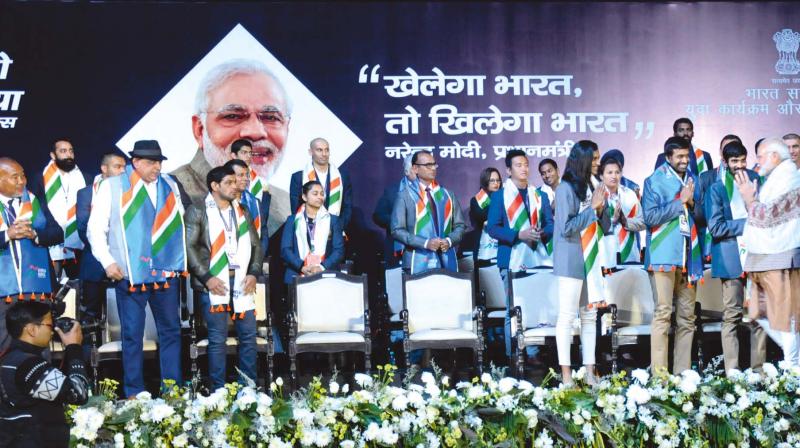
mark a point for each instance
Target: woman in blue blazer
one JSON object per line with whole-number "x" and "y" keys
{"x": 312, "y": 238}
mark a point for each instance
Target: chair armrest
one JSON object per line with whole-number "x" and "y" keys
{"x": 404, "y": 317}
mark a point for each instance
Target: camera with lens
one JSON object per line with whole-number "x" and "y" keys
{"x": 58, "y": 307}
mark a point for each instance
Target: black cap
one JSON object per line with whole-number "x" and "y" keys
{"x": 147, "y": 149}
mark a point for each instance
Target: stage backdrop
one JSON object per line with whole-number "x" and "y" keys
{"x": 467, "y": 81}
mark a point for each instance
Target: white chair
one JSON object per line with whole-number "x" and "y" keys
{"x": 112, "y": 332}
{"x": 439, "y": 313}
{"x": 466, "y": 263}
{"x": 535, "y": 303}
{"x": 394, "y": 292}
{"x": 708, "y": 311}
{"x": 331, "y": 314}
{"x": 631, "y": 302}
{"x": 492, "y": 290}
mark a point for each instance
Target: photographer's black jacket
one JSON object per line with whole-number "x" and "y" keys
{"x": 33, "y": 394}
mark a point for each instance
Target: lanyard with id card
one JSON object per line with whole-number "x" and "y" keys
{"x": 231, "y": 241}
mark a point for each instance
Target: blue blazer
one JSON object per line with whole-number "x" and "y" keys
{"x": 263, "y": 205}
{"x": 51, "y": 235}
{"x": 497, "y": 226}
{"x": 692, "y": 161}
{"x": 724, "y": 230}
{"x": 296, "y": 190}
{"x": 90, "y": 268}
{"x": 334, "y": 251}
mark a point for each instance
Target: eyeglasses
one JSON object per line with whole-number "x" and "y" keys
{"x": 235, "y": 115}
{"x": 494, "y": 181}
{"x": 428, "y": 165}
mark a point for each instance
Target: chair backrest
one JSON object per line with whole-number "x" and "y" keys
{"x": 491, "y": 283}
{"x": 261, "y": 301}
{"x": 466, "y": 263}
{"x": 535, "y": 291}
{"x": 394, "y": 288}
{"x": 113, "y": 331}
{"x": 439, "y": 300}
{"x": 631, "y": 290}
{"x": 709, "y": 295}
{"x": 330, "y": 301}
{"x": 71, "y": 302}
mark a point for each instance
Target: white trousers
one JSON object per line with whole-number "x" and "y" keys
{"x": 569, "y": 303}
{"x": 787, "y": 340}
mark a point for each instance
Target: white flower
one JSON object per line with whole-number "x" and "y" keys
{"x": 279, "y": 381}
{"x": 415, "y": 399}
{"x": 180, "y": 441}
{"x": 781, "y": 425}
{"x": 446, "y": 381}
{"x": 427, "y": 377}
{"x": 333, "y": 387}
{"x": 506, "y": 403}
{"x": 387, "y": 436}
{"x": 638, "y": 394}
{"x": 689, "y": 381}
{"x": 641, "y": 375}
{"x": 143, "y": 396}
{"x": 347, "y": 444}
{"x": 160, "y": 411}
{"x": 687, "y": 407}
{"x": 304, "y": 416}
{"x": 373, "y": 432}
{"x": 322, "y": 437}
{"x": 363, "y": 380}
{"x": 532, "y": 416}
{"x": 432, "y": 389}
{"x": 86, "y": 422}
{"x": 543, "y": 441}
{"x": 486, "y": 378}
{"x": 119, "y": 440}
{"x": 770, "y": 370}
{"x": 580, "y": 374}
{"x": 345, "y": 388}
{"x": 506, "y": 385}
{"x": 525, "y": 387}
{"x": 399, "y": 403}
{"x": 588, "y": 431}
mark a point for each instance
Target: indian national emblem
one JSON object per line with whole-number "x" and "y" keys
{"x": 787, "y": 42}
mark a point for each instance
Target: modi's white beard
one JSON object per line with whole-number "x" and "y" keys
{"x": 216, "y": 156}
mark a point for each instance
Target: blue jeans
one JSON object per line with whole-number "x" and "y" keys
{"x": 165, "y": 307}
{"x": 217, "y": 324}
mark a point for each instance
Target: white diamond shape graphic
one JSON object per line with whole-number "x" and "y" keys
{"x": 169, "y": 121}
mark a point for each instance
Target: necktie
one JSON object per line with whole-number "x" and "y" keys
{"x": 12, "y": 216}
{"x": 434, "y": 213}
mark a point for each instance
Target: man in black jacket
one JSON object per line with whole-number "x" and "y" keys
{"x": 32, "y": 392}
{"x": 224, "y": 258}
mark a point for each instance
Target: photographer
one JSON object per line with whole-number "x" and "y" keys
{"x": 32, "y": 392}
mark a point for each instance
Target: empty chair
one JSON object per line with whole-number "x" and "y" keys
{"x": 439, "y": 313}
{"x": 535, "y": 303}
{"x": 629, "y": 293}
{"x": 331, "y": 314}
{"x": 112, "y": 332}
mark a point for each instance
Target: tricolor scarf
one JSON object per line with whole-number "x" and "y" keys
{"x": 61, "y": 194}
{"x": 96, "y": 183}
{"x": 625, "y": 242}
{"x": 592, "y": 254}
{"x": 424, "y": 259}
{"x": 520, "y": 218}
{"x": 666, "y": 244}
{"x": 701, "y": 161}
{"x": 319, "y": 241}
{"x": 153, "y": 236}
{"x": 774, "y": 226}
{"x": 253, "y": 206}
{"x": 257, "y": 186}
{"x": 333, "y": 191}
{"x": 487, "y": 246}
{"x": 32, "y": 279}
{"x": 738, "y": 210}
{"x": 219, "y": 264}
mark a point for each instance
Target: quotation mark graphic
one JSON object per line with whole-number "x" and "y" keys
{"x": 640, "y": 127}
{"x": 374, "y": 77}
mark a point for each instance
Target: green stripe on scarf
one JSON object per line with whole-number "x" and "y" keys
{"x": 626, "y": 251}
{"x": 334, "y": 197}
{"x": 173, "y": 227}
{"x": 219, "y": 265}
{"x": 51, "y": 192}
{"x": 136, "y": 204}
{"x": 660, "y": 237}
{"x": 423, "y": 221}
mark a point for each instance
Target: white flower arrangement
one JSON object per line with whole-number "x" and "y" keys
{"x": 742, "y": 409}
